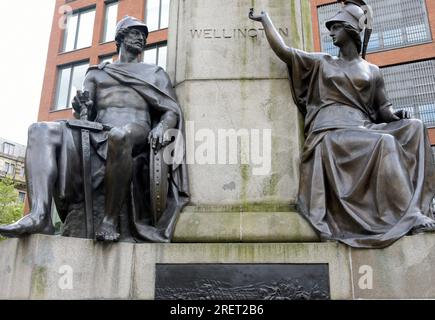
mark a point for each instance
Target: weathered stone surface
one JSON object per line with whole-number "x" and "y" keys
{"x": 212, "y": 108}
{"x": 216, "y": 40}
{"x": 243, "y": 227}
{"x": 31, "y": 268}
{"x": 208, "y": 227}
{"x": 401, "y": 271}
{"x": 276, "y": 227}
{"x": 227, "y": 77}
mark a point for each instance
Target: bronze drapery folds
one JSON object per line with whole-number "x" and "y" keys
{"x": 367, "y": 176}
{"x": 98, "y": 168}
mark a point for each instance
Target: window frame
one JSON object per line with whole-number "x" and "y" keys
{"x": 70, "y": 81}
{"x": 418, "y": 104}
{"x": 156, "y": 46}
{"x": 106, "y": 57}
{"x": 7, "y": 168}
{"x": 78, "y": 12}
{"x": 104, "y": 32}
{"x": 10, "y": 147}
{"x": 21, "y": 197}
{"x": 159, "y": 24}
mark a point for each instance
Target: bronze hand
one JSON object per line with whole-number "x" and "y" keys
{"x": 256, "y": 17}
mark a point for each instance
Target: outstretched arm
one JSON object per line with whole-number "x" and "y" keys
{"x": 275, "y": 40}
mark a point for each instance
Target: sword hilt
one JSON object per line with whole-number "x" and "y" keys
{"x": 82, "y": 98}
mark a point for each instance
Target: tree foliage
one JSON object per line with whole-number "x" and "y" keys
{"x": 10, "y": 208}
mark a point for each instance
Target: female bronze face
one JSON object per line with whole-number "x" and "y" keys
{"x": 339, "y": 34}
{"x": 342, "y": 33}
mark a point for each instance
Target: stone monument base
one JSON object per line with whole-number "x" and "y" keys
{"x": 44, "y": 267}
{"x": 275, "y": 224}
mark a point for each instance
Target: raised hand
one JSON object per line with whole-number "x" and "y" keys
{"x": 256, "y": 17}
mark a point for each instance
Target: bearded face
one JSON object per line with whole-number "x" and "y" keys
{"x": 134, "y": 41}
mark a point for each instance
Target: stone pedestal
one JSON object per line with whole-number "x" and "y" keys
{"x": 41, "y": 267}
{"x": 227, "y": 78}
{"x": 201, "y": 225}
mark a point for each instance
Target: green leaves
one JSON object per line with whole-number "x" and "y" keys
{"x": 11, "y": 209}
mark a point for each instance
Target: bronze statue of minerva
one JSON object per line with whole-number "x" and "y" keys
{"x": 106, "y": 170}
{"x": 367, "y": 176}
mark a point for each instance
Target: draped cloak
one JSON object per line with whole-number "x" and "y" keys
{"x": 363, "y": 182}
{"x": 153, "y": 84}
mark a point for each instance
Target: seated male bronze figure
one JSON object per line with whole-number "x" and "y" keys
{"x": 127, "y": 109}
{"x": 367, "y": 176}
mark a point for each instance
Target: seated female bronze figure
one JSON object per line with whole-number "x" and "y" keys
{"x": 367, "y": 176}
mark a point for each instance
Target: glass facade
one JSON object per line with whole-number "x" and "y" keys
{"x": 156, "y": 55}
{"x": 70, "y": 79}
{"x": 110, "y": 20}
{"x": 108, "y": 58}
{"x": 79, "y": 30}
{"x": 411, "y": 87}
{"x": 157, "y": 14}
{"x": 397, "y": 23}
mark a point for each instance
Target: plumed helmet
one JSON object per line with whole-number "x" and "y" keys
{"x": 131, "y": 22}
{"x": 351, "y": 13}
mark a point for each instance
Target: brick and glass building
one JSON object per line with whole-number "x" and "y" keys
{"x": 82, "y": 34}
{"x": 12, "y": 165}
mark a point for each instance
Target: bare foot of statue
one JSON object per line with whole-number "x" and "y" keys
{"x": 427, "y": 226}
{"x": 30, "y": 224}
{"x": 107, "y": 231}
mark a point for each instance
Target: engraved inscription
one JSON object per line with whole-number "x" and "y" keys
{"x": 236, "y": 33}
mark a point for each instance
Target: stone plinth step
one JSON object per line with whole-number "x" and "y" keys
{"x": 206, "y": 227}
{"x": 44, "y": 267}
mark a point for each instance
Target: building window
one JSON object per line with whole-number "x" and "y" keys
{"x": 156, "y": 55}
{"x": 69, "y": 80}
{"x": 21, "y": 196}
{"x": 79, "y": 30}
{"x": 397, "y": 23}
{"x": 157, "y": 14}
{"x": 108, "y": 58}
{"x": 8, "y": 148}
{"x": 411, "y": 87}
{"x": 9, "y": 169}
{"x": 110, "y": 20}
{"x": 22, "y": 172}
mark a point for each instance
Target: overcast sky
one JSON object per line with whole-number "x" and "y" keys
{"x": 25, "y": 29}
